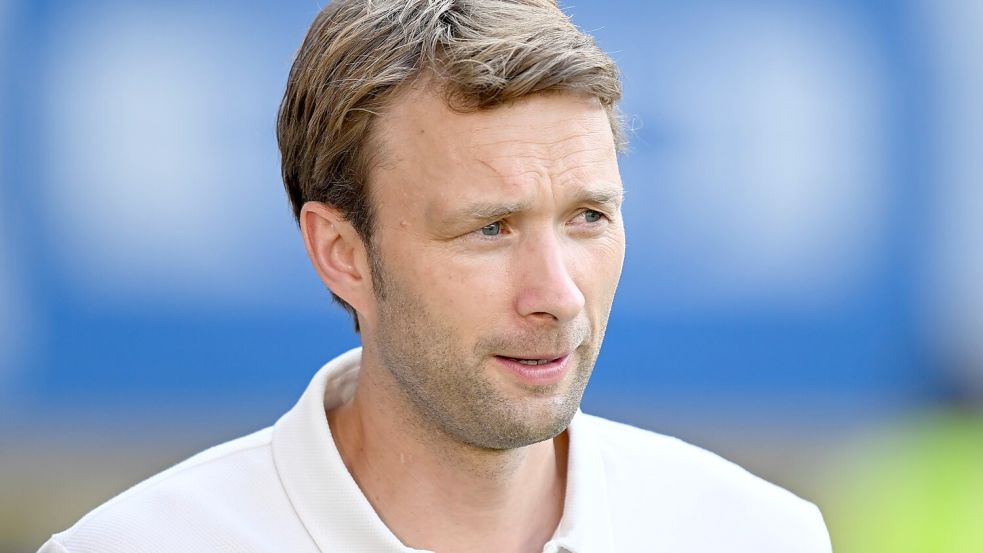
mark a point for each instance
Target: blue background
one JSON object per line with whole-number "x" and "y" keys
{"x": 802, "y": 204}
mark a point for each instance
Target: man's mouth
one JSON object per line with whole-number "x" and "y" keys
{"x": 537, "y": 369}
{"x": 531, "y": 362}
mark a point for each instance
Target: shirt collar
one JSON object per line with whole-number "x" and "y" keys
{"x": 321, "y": 489}
{"x": 585, "y": 526}
{"x": 328, "y": 501}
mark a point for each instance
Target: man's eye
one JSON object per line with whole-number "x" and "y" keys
{"x": 592, "y": 216}
{"x": 493, "y": 229}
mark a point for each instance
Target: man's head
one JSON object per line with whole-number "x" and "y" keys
{"x": 360, "y": 54}
{"x": 453, "y": 168}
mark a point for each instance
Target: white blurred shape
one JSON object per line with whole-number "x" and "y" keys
{"x": 162, "y": 175}
{"x": 773, "y": 187}
{"x": 955, "y": 284}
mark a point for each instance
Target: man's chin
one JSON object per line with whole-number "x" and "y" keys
{"x": 536, "y": 420}
{"x": 519, "y": 440}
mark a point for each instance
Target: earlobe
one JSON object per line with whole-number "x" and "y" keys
{"x": 336, "y": 251}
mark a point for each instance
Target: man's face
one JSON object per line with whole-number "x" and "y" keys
{"x": 498, "y": 246}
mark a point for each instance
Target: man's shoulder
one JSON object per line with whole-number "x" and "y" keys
{"x": 183, "y": 507}
{"x": 645, "y": 456}
{"x": 686, "y": 492}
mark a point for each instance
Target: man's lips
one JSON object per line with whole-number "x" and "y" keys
{"x": 536, "y": 369}
{"x": 535, "y": 359}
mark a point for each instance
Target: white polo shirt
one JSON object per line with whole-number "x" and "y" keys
{"x": 286, "y": 489}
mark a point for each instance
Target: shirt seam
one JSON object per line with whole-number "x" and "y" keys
{"x": 54, "y": 541}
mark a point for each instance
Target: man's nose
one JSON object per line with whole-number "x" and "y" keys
{"x": 547, "y": 288}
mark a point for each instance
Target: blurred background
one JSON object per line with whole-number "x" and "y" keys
{"x": 803, "y": 291}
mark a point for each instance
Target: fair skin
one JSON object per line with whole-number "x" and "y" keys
{"x": 498, "y": 244}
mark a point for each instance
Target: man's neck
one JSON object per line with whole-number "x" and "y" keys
{"x": 439, "y": 494}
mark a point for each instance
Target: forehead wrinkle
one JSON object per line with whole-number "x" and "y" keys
{"x": 588, "y": 166}
{"x": 549, "y": 151}
{"x": 585, "y": 178}
{"x": 509, "y": 174}
{"x": 548, "y": 142}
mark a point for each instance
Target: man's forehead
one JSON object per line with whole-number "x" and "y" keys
{"x": 441, "y": 156}
{"x": 423, "y": 113}
{"x": 551, "y": 149}
{"x": 517, "y": 175}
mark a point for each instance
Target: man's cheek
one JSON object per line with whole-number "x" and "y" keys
{"x": 478, "y": 299}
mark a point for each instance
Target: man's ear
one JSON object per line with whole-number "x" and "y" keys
{"x": 337, "y": 252}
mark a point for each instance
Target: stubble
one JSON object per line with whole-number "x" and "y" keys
{"x": 449, "y": 385}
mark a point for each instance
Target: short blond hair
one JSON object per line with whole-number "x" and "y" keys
{"x": 358, "y": 54}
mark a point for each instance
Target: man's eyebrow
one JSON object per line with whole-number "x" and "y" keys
{"x": 603, "y": 196}
{"x": 482, "y": 211}
{"x": 490, "y": 211}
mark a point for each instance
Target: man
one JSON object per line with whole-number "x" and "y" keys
{"x": 452, "y": 165}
